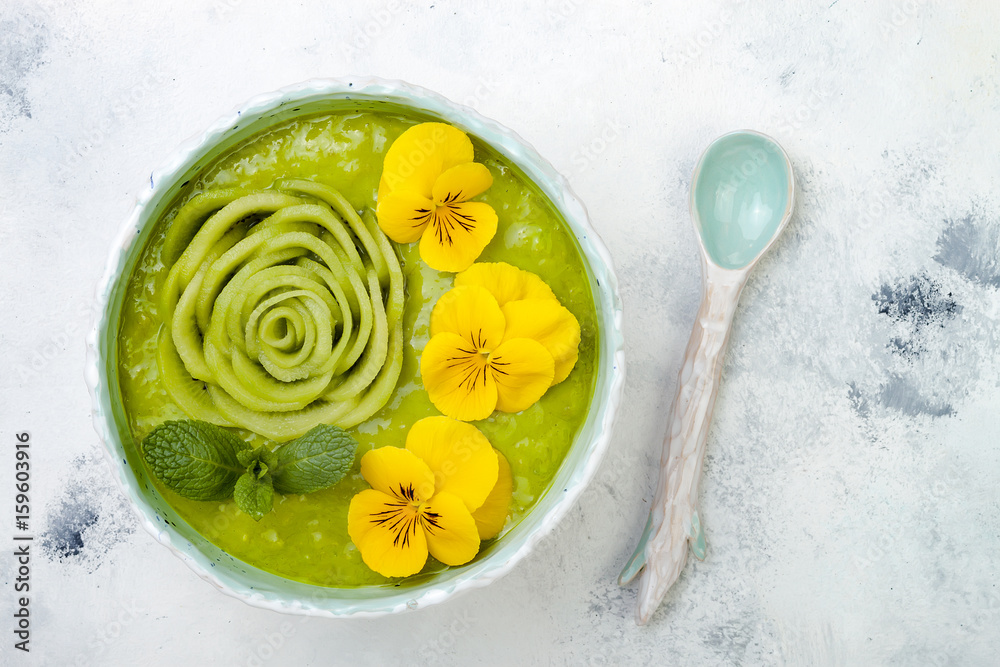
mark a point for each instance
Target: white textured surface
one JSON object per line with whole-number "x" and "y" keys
{"x": 850, "y": 493}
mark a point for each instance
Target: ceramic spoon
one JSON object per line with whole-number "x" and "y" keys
{"x": 742, "y": 194}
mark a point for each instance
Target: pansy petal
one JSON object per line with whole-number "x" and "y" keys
{"x": 455, "y": 378}
{"x": 452, "y": 537}
{"x": 457, "y": 235}
{"x": 472, "y": 313}
{"x": 492, "y": 514}
{"x": 404, "y": 215}
{"x": 364, "y": 505}
{"x": 388, "y": 535}
{"x": 523, "y": 370}
{"x": 462, "y": 460}
{"x": 550, "y": 324}
{"x": 420, "y": 155}
{"x": 399, "y": 473}
{"x": 505, "y": 282}
{"x": 461, "y": 183}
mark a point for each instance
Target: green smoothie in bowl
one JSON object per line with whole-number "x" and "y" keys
{"x": 265, "y": 300}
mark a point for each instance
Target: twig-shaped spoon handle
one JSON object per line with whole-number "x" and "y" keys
{"x": 674, "y": 522}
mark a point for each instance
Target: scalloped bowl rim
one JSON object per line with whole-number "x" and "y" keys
{"x": 611, "y": 346}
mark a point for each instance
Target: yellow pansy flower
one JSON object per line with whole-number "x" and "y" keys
{"x": 499, "y": 340}
{"x": 428, "y": 178}
{"x": 555, "y": 328}
{"x": 442, "y": 493}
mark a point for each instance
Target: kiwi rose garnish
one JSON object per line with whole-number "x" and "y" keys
{"x": 282, "y": 309}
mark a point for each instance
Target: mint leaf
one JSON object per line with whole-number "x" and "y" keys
{"x": 195, "y": 459}
{"x": 254, "y": 493}
{"x": 317, "y": 460}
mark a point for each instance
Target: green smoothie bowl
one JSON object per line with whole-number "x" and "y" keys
{"x": 357, "y": 349}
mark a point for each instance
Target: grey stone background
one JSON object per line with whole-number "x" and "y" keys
{"x": 850, "y": 492}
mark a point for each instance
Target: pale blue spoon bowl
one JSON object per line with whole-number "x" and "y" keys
{"x": 741, "y": 199}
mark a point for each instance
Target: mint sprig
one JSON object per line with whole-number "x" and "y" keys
{"x": 201, "y": 461}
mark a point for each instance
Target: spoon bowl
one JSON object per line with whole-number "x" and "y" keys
{"x": 742, "y": 196}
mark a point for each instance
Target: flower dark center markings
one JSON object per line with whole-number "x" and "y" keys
{"x": 400, "y": 520}
{"x": 446, "y": 218}
{"x": 478, "y": 340}
{"x": 472, "y": 372}
{"x": 402, "y": 538}
{"x": 496, "y": 365}
{"x": 463, "y": 220}
{"x": 476, "y": 365}
{"x": 442, "y": 228}
{"x": 431, "y": 521}
{"x": 421, "y": 219}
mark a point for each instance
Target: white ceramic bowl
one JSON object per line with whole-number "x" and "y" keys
{"x": 270, "y": 591}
